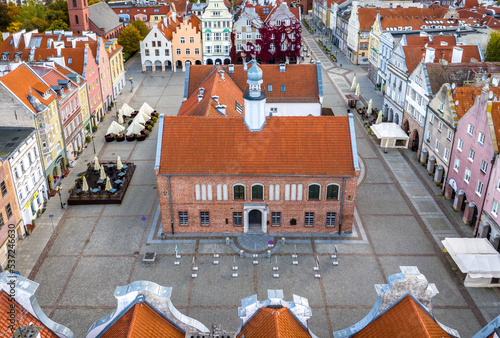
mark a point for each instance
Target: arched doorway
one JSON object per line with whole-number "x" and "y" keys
{"x": 158, "y": 66}
{"x": 227, "y": 61}
{"x": 396, "y": 118}
{"x": 218, "y": 61}
{"x": 210, "y": 62}
{"x": 255, "y": 221}
{"x": 197, "y": 62}
{"x": 187, "y": 63}
{"x": 168, "y": 65}
{"x": 49, "y": 181}
{"x": 390, "y": 115}
{"x": 239, "y": 61}
{"x": 63, "y": 164}
{"x": 271, "y": 61}
{"x": 406, "y": 127}
{"x": 149, "y": 66}
{"x": 415, "y": 140}
{"x": 178, "y": 64}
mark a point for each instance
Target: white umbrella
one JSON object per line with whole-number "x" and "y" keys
{"x": 370, "y": 104}
{"x": 135, "y": 128}
{"x": 120, "y": 117}
{"x": 145, "y": 115}
{"x": 85, "y": 185}
{"x": 358, "y": 91}
{"x": 97, "y": 166}
{"x": 102, "y": 174}
{"x": 146, "y": 108}
{"x": 379, "y": 118}
{"x": 119, "y": 164}
{"x": 353, "y": 85}
{"x": 115, "y": 128}
{"x": 127, "y": 110}
{"x": 108, "y": 184}
{"x": 139, "y": 118}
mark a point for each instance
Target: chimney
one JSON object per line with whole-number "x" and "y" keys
{"x": 456, "y": 57}
{"x": 231, "y": 68}
{"x": 202, "y": 90}
{"x": 282, "y": 67}
{"x": 430, "y": 54}
{"x": 221, "y": 109}
{"x": 58, "y": 48}
{"x": 216, "y": 98}
{"x": 431, "y": 38}
{"x": 73, "y": 43}
{"x": 245, "y": 68}
{"x": 49, "y": 43}
{"x": 200, "y": 97}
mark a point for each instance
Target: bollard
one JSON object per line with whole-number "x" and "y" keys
{"x": 241, "y": 253}
{"x": 282, "y": 240}
{"x": 268, "y": 253}
{"x": 227, "y": 240}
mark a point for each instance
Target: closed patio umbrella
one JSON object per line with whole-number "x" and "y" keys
{"x": 115, "y": 128}
{"x": 85, "y": 185}
{"x": 139, "y": 118}
{"x": 379, "y": 118}
{"x": 370, "y": 104}
{"x": 146, "y": 108}
{"x": 108, "y": 184}
{"x": 120, "y": 117}
{"x": 358, "y": 91}
{"x": 96, "y": 163}
{"x": 353, "y": 85}
{"x": 102, "y": 174}
{"x": 145, "y": 115}
{"x": 119, "y": 164}
{"x": 134, "y": 128}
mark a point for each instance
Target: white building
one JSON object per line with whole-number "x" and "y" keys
{"x": 217, "y": 24}
{"x": 246, "y": 30}
{"x": 156, "y": 48}
{"x": 26, "y": 170}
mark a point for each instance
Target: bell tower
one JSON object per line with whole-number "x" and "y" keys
{"x": 78, "y": 11}
{"x": 255, "y": 99}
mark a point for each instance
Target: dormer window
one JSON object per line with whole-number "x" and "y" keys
{"x": 5, "y": 55}
{"x": 18, "y": 56}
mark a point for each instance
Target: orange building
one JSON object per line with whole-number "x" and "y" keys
{"x": 185, "y": 36}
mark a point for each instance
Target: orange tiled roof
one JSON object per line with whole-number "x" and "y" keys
{"x": 300, "y": 81}
{"x": 162, "y": 10}
{"x": 143, "y": 321}
{"x": 227, "y": 91}
{"x": 471, "y": 3}
{"x": 23, "y": 318}
{"x": 406, "y": 318}
{"x": 273, "y": 323}
{"x": 306, "y": 145}
{"x": 495, "y": 115}
{"x": 366, "y": 16}
{"x": 23, "y": 82}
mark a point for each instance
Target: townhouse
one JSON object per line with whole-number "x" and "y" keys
{"x": 217, "y": 25}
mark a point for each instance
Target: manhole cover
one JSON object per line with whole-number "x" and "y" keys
{"x": 136, "y": 253}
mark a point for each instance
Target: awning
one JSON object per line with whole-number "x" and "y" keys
{"x": 391, "y": 135}
{"x": 208, "y": 31}
{"x": 455, "y": 246}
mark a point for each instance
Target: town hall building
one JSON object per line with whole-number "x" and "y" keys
{"x": 255, "y": 172}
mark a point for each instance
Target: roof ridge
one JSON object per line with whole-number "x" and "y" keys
{"x": 275, "y": 315}
{"x": 416, "y": 309}
{"x": 133, "y": 319}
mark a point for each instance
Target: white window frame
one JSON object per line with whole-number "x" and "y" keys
{"x": 471, "y": 155}
{"x": 479, "y": 188}
{"x": 470, "y": 129}
{"x": 484, "y": 166}
{"x": 460, "y": 145}
{"x": 244, "y": 191}
{"x": 480, "y": 138}
{"x": 467, "y": 175}
{"x": 456, "y": 164}
{"x": 308, "y": 186}
{"x": 263, "y": 192}
{"x": 494, "y": 208}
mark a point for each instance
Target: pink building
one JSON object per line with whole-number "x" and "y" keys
{"x": 102, "y": 61}
{"x": 474, "y": 148}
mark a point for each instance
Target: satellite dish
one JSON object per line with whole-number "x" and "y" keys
{"x": 490, "y": 95}
{"x": 456, "y": 103}
{"x": 453, "y": 85}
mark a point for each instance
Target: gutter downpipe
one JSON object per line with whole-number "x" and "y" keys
{"x": 341, "y": 206}
{"x": 171, "y": 210}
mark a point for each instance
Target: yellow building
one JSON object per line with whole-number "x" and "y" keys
{"x": 116, "y": 67}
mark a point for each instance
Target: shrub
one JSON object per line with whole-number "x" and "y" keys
{"x": 149, "y": 128}
{"x": 102, "y": 118}
{"x": 87, "y": 139}
{"x": 94, "y": 129}
{"x": 154, "y": 119}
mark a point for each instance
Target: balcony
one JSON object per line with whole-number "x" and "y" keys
{"x": 48, "y": 149}
{"x": 45, "y": 129}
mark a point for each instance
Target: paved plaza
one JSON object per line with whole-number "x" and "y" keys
{"x": 400, "y": 219}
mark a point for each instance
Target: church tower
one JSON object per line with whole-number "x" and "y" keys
{"x": 255, "y": 100}
{"x": 78, "y": 11}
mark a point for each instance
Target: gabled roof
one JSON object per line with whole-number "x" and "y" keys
{"x": 140, "y": 321}
{"x": 23, "y": 318}
{"x": 273, "y": 323}
{"x": 24, "y": 83}
{"x": 300, "y": 81}
{"x": 103, "y": 17}
{"x": 366, "y": 16}
{"x": 226, "y": 90}
{"x": 406, "y": 318}
{"x": 303, "y": 145}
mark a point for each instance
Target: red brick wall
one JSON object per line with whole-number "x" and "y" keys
{"x": 183, "y": 199}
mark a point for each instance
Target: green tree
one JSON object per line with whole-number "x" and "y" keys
{"x": 130, "y": 39}
{"x": 141, "y": 27}
{"x": 5, "y": 18}
{"x": 14, "y": 27}
{"x": 57, "y": 10}
{"x": 91, "y": 2}
{"x": 493, "y": 48}
{"x": 58, "y": 25}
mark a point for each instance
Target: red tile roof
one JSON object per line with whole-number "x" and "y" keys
{"x": 300, "y": 81}
{"x": 23, "y": 82}
{"x": 143, "y": 321}
{"x": 273, "y": 323}
{"x": 161, "y": 10}
{"x": 366, "y": 16}
{"x": 285, "y": 146}
{"x": 406, "y": 318}
{"x": 23, "y": 318}
{"x": 495, "y": 116}
{"x": 227, "y": 91}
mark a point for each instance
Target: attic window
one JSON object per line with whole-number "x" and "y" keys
{"x": 18, "y": 56}
{"x": 270, "y": 88}
{"x": 283, "y": 88}
{"x": 265, "y": 10}
{"x": 5, "y": 55}
{"x": 238, "y": 107}
{"x": 70, "y": 61}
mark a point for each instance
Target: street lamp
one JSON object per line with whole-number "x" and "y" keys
{"x": 93, "y": 144}
{"x": 131, "y": 84}
{"x": 58, "y": 189}
{"x": 116, "y": 107}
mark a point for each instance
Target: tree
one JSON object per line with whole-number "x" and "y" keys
{"x": 5, "y": 18}
{"x": 141, "y": 27}
{"x": 58, "y": 25}
{"x": 493, "y": 48}
{"x": 92, "y": 2}
{"x": 14, "y": 27}
{"x": 57, "y": 10}
{"x": 130, "y": 39}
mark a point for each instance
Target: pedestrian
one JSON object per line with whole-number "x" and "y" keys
{"x": 348, "y": 111}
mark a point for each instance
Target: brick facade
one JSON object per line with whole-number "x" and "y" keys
{"x": 221, "y": 211}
